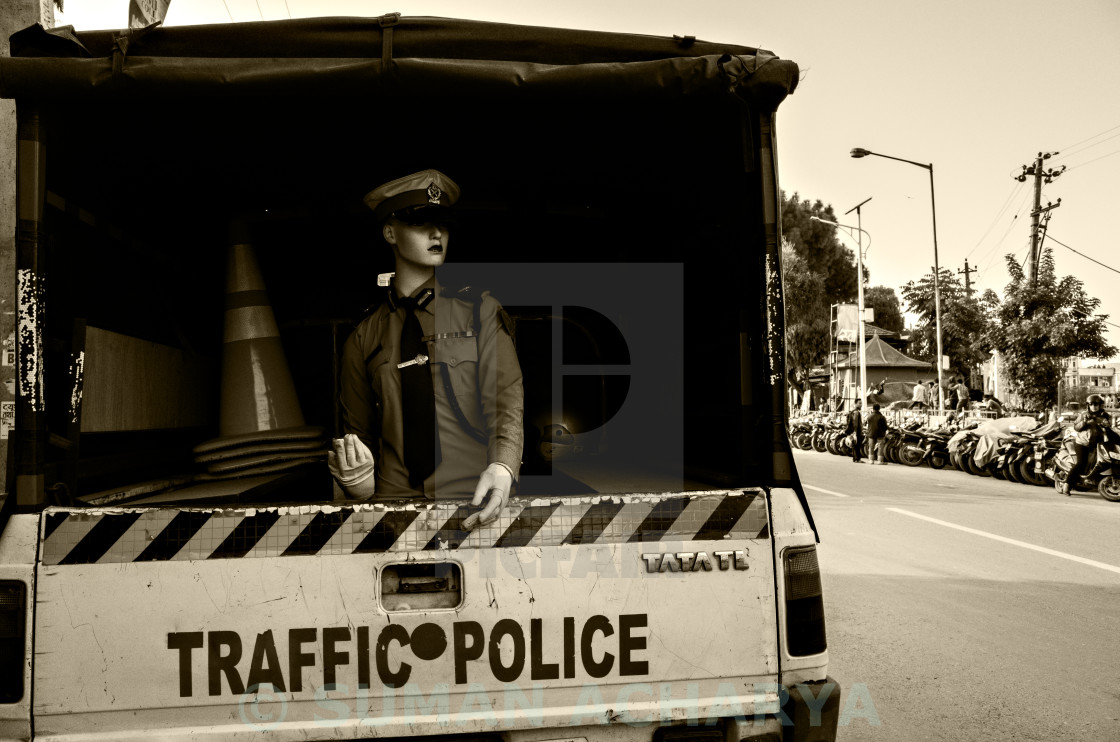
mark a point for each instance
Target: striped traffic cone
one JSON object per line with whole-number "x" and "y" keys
{"x": 259, "y": 407}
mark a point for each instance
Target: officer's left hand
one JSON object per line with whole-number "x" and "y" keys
{"x": 494, "y": 485}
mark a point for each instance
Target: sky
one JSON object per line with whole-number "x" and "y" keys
{"x": 977, "y": 89}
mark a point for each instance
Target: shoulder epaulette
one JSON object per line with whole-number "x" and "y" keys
{"x": 382, "y": 297}
{"x": 463, "y": 293}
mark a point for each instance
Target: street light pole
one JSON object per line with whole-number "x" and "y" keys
{"x": 862, "y": 307}
{"x": 859, "y": 281}
{"x": 858, "y": 152}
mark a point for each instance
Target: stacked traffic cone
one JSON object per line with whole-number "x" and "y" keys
{"x": 261, "y": 426}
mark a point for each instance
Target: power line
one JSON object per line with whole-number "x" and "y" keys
{"x": 1006, "y": 202}
{"x": 1071, "y": 146}
{"x": 1081, "y": 164}
{"x": 1066, "y": 154}
{"x": 287, "y": 9}
{"x": 259, "y": 11}
{"x": 228, "y": 11}
{"x": 992, "y": 262}
{"x": 1035, "y": 170}
{"x": 1082, "y": 254}
{"x": 990, "y": 254}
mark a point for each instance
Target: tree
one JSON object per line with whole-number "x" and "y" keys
{"x": 807, "y": 317}
{"x": 1038, "y": 326}
{"x": 965, "y": 322}
{"x": 819, "y": 247}
{"x": 818, "y": 271}
{"x": 888, "y": 310}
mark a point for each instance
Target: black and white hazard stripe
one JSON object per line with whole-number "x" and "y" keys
{"x": 142, "y": 535}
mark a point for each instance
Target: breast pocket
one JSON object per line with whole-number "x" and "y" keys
{"x": 382, "y": 380}
{"x": 457, "y": 359}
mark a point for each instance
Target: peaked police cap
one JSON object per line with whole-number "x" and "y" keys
{"x": 427, "y": 188}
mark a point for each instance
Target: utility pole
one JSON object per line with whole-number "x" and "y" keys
{"x": 1035, "y": 170}
{"x": 967, "y": 278}
{"x": 862, "y": 397}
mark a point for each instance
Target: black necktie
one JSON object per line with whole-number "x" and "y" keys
{"x": 421, "y": 439}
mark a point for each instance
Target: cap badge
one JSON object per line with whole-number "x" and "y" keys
{"x": 434, "y": 194}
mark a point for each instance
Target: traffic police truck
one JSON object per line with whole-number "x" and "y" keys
{"x": 191, "y": 253}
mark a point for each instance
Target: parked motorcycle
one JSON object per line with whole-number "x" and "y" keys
{"x": 1015, "y": 458}
{"x": 898, "y": 440}
{"x": 1041, "y": 445}
{"x": 801, "y": 434}
{"x": 912, "y": 451}
{"x": 965, "y": 452}
{"x": 922, "y": 445}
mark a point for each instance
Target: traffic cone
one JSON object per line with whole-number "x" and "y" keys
{"x": 259, "y": 406}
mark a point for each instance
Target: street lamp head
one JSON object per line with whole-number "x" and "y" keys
{"x": 825, "y": 221}
{"x": 858, "y": 152}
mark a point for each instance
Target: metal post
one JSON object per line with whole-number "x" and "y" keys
{"x": 862, "y": 328}
{"x": 936, "y": 292}
{"x": 859, "y": 267}
{"x": 1032, "y": 273}
{"x": 858, "y": 152}
{"x": 862, "y": 332}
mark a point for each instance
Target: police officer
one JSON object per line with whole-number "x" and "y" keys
{"x": 431, "y": 394}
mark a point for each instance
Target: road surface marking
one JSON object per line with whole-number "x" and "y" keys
{"x": 820, "y": 489}
{"x": 1004, "y": 539}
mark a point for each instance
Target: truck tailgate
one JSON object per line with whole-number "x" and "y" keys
{"x": 366, "y": 620}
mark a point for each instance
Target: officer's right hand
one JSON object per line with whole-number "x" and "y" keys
{"x": 351, "y": 463}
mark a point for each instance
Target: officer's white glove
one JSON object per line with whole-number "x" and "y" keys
{"x": 351, "y": 463}
{"x": 494, "y": 485}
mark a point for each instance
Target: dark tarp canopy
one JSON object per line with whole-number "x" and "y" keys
{"x": 880, "y": 355}
{"x": 591, "y": 152}
{"x": 359, "y": 56}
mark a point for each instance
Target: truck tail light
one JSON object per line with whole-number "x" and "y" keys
{"x": 804, "y": 602}
{"x": 13, "y": 636}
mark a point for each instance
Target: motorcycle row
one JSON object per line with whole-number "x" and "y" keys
{"x": 1038, "y": 457}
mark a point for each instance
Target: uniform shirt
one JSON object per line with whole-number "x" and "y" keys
{"x": 485, "y": 377}
{"x": 919, "y": 394}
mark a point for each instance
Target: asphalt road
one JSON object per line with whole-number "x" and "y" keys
{"x": 967, "y": 608}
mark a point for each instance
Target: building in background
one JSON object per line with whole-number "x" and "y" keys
{"x": 996, "y": 382}
{"x": 1082, "y": 378}
{"x": 887, "y": 368}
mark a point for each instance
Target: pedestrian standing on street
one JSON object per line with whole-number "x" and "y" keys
{"x": 877, "y": 436}
{"x": 919, "y": 399}
{"x": 855, "y": 429}
{"x": 961, "y": 390}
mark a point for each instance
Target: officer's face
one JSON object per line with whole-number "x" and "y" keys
{"x": 421, "y": 245}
